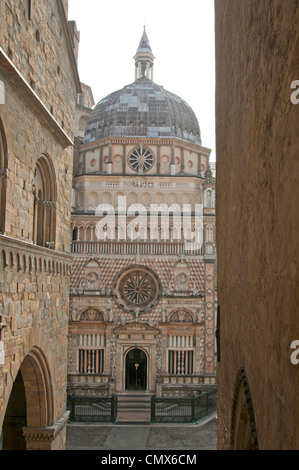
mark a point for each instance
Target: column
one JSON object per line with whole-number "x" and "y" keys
{"x": 84, "y": 162}
{"x": 101, "y": 160}
{"x": 35, "y": 215}
{"x": 182, "y": 159}
{"x": 152, "y": 73}
{"x": 173, "y": 154}
{"x": 158, "y": 160}
{"x": 172, "y": 165}
{"x": 200, "y": 163}
{"x": 109, "y": 163}
{"x": 124, "y": 159}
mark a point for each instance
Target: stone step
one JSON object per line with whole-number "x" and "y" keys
{"x": 126, "y": 406}
{"x": 133, "y": 408}
{"x": 134, "y": 398}
{"x": 134, "y": 401}
{"x": 124, "y": 417}
{"x": 135, "y": 394}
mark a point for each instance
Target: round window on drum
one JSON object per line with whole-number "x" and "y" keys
{"x": 141, "y": 160}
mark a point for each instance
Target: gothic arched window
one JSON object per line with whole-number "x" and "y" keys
{"x": 44, "y": 189}
{"x": 209, "y": 234}
{"x": 3, "y": 176}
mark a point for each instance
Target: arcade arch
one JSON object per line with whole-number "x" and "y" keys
{"x": 30, "y": 403}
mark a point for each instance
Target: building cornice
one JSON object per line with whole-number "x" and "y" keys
{"x": 136, "y": 140}
{"x": 143, "y": 177}
{"x": 46, "y": 434}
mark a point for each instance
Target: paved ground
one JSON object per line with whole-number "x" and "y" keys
{"x": 141, "y": 437}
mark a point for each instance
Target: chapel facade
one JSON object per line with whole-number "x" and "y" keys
{"x": 143, "y": 284}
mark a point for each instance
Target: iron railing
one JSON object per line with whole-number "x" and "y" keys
{"x": 163, "y": 409}
{"x": 183, "y": 410}
{"x": 92, "y": 409}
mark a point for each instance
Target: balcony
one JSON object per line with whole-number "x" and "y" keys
{"x": 141, "y": 248}
{"x": 21, "y": 256}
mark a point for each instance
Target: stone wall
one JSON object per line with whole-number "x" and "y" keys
{"x": 38, "y": 45}
{"x": 39, "y": 109}
{"x": 40, "y": 79}
{"x": 27, "y": 140}
{"x": 257, "y": 59}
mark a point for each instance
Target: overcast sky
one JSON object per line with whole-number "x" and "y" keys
{"x": 181, "y": 34}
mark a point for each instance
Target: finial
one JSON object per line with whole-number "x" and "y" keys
{"x": 144, "y": 59}
{"x": 209, "y": 174}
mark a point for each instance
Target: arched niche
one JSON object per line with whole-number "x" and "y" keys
{"x": 92, "y": 314}
{"x": 181, "y": 316}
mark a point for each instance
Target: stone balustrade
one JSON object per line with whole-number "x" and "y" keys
{"x": 140, "y": 248}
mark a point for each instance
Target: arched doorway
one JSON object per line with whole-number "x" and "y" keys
{"x": 30, "y": 403}
{"x": 136, "y": 370}
{"x": 243, "y": 427}
{"x": 15, "y": 417}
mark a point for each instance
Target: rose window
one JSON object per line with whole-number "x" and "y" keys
{"x": 141, "y": 160}
{"x": 137, "y": 288}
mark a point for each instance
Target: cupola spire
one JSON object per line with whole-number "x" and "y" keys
{"x": 144, "y": 59}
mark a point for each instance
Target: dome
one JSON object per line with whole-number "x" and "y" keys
{"x": 143, "y": 109}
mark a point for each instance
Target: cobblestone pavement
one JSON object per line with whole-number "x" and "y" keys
{"x": 151, "y": 437}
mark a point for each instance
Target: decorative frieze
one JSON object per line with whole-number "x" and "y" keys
{"x": 48, "y": 438}
{"x": 90, "y": 184}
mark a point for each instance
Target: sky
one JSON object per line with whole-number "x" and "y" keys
{"x": 181, "y": 35}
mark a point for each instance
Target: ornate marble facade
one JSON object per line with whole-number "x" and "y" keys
{"x": 141, "y": 289}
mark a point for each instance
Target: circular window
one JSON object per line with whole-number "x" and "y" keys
{"x": 165, "y": 159}
{"x": 141, "y": 160}
{"x": 137, "y": 288}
